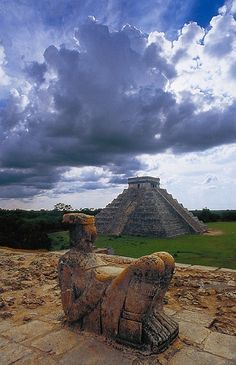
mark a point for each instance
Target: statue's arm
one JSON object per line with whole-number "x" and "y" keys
{"x": 80, "y": 293}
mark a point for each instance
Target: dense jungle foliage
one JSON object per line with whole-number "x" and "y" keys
{"x": 30, "y": 229}
{"x": 206, "y": 215}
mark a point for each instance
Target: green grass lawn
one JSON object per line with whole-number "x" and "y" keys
{"x": 217, "y": 251}
{"x": 59, "y": 240}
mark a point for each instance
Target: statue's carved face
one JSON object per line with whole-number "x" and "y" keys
{"x": 83, "y": 236}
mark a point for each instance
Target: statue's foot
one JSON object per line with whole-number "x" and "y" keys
{"x": 138, "y": 319}
{"x": 159, "y": 331}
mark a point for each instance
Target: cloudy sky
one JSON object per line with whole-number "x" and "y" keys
{"x": 95, "y": 91}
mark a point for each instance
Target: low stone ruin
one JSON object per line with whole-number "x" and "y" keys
{"x": 118, "y": 297}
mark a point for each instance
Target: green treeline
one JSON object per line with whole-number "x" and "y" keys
{"x": 30, "y": 229}
{"x": 206, "y": 215}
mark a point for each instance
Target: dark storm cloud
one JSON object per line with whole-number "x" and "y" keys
{"x": 124, "y": 167}
{"x": 24, "y": 183}
{"x": 187, "y": 131}
{"x": 100, "y": 104}
{"x": 18, "y": 192}
{"x": 92, "y": 185}
{"x": 36, "y": 71}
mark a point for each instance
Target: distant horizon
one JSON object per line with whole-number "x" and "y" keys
{"x": 91, "y": 208}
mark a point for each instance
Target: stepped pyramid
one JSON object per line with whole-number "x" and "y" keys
{"x": 144, "y": 209}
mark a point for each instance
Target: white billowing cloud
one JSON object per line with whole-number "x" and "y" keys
{"x": 20, "y": 100}
{"x": 233, "y": 9}
{"x": 78, "y": 179}
{"x": 205, "y": 61}
{"x": 230, "y": 6}
{"x": 198, "y": 179}
{"x": 164, "y": 45}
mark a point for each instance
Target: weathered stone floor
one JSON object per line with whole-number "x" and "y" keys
{"x": 33, "y": 330}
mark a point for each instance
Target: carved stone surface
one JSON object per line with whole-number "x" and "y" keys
{"x": 118, "y": 297}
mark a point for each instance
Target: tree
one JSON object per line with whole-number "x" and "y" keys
{"x": 63, "y": 207}
{"x": 207, "y": 216}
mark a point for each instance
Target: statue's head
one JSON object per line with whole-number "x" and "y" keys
{"x": 82, "y": 230}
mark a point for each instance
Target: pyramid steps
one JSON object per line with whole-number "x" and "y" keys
{"x": 147, "y": 210}
{"x": 145, "y": 219}
{"x": 172, "y": 223}
{"x": 112, "y": 219}
{"x": 190, "y": 219}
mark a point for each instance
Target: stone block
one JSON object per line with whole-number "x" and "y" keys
{"x": 54, "y": 317}
{"x": 31, "y": 359}
{"x": 204, "y": 268}
{"x": 169, "y": 311}
{"x": 227, "y": 270}
{"x": 6, "y": 325}
{"x": 197, "y": 317}
{"x": 193, "y": 356}
{"x": 46, "y": 360}
{"x": 182, "y": 265}
{"x": 36, "y": 359}
{"x": 221, "y": 345}
{"x": 56, "y": 342}
{"x": 3, "y": 341}
{"x": 28, "y": 331}
{"x": 93, "y": 352}
{"x": 13, "y": 352}
{"x": 192, "y": 332}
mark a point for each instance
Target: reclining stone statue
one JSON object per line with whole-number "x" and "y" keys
{"x": 118, "y": 297}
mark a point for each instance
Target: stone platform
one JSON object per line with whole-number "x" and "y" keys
{"x": 33, "y": 330}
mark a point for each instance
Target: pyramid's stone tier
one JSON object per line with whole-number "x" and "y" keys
{"x": 148, "y": 212}
{"x": 190, "y": 219}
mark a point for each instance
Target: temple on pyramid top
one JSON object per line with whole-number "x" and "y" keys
{"x": 144, "y": 182}
{"x": 145, "y": 209}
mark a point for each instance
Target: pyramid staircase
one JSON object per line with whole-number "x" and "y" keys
{"x": 197, "y": 225}
{"x": 147, "y": 210}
